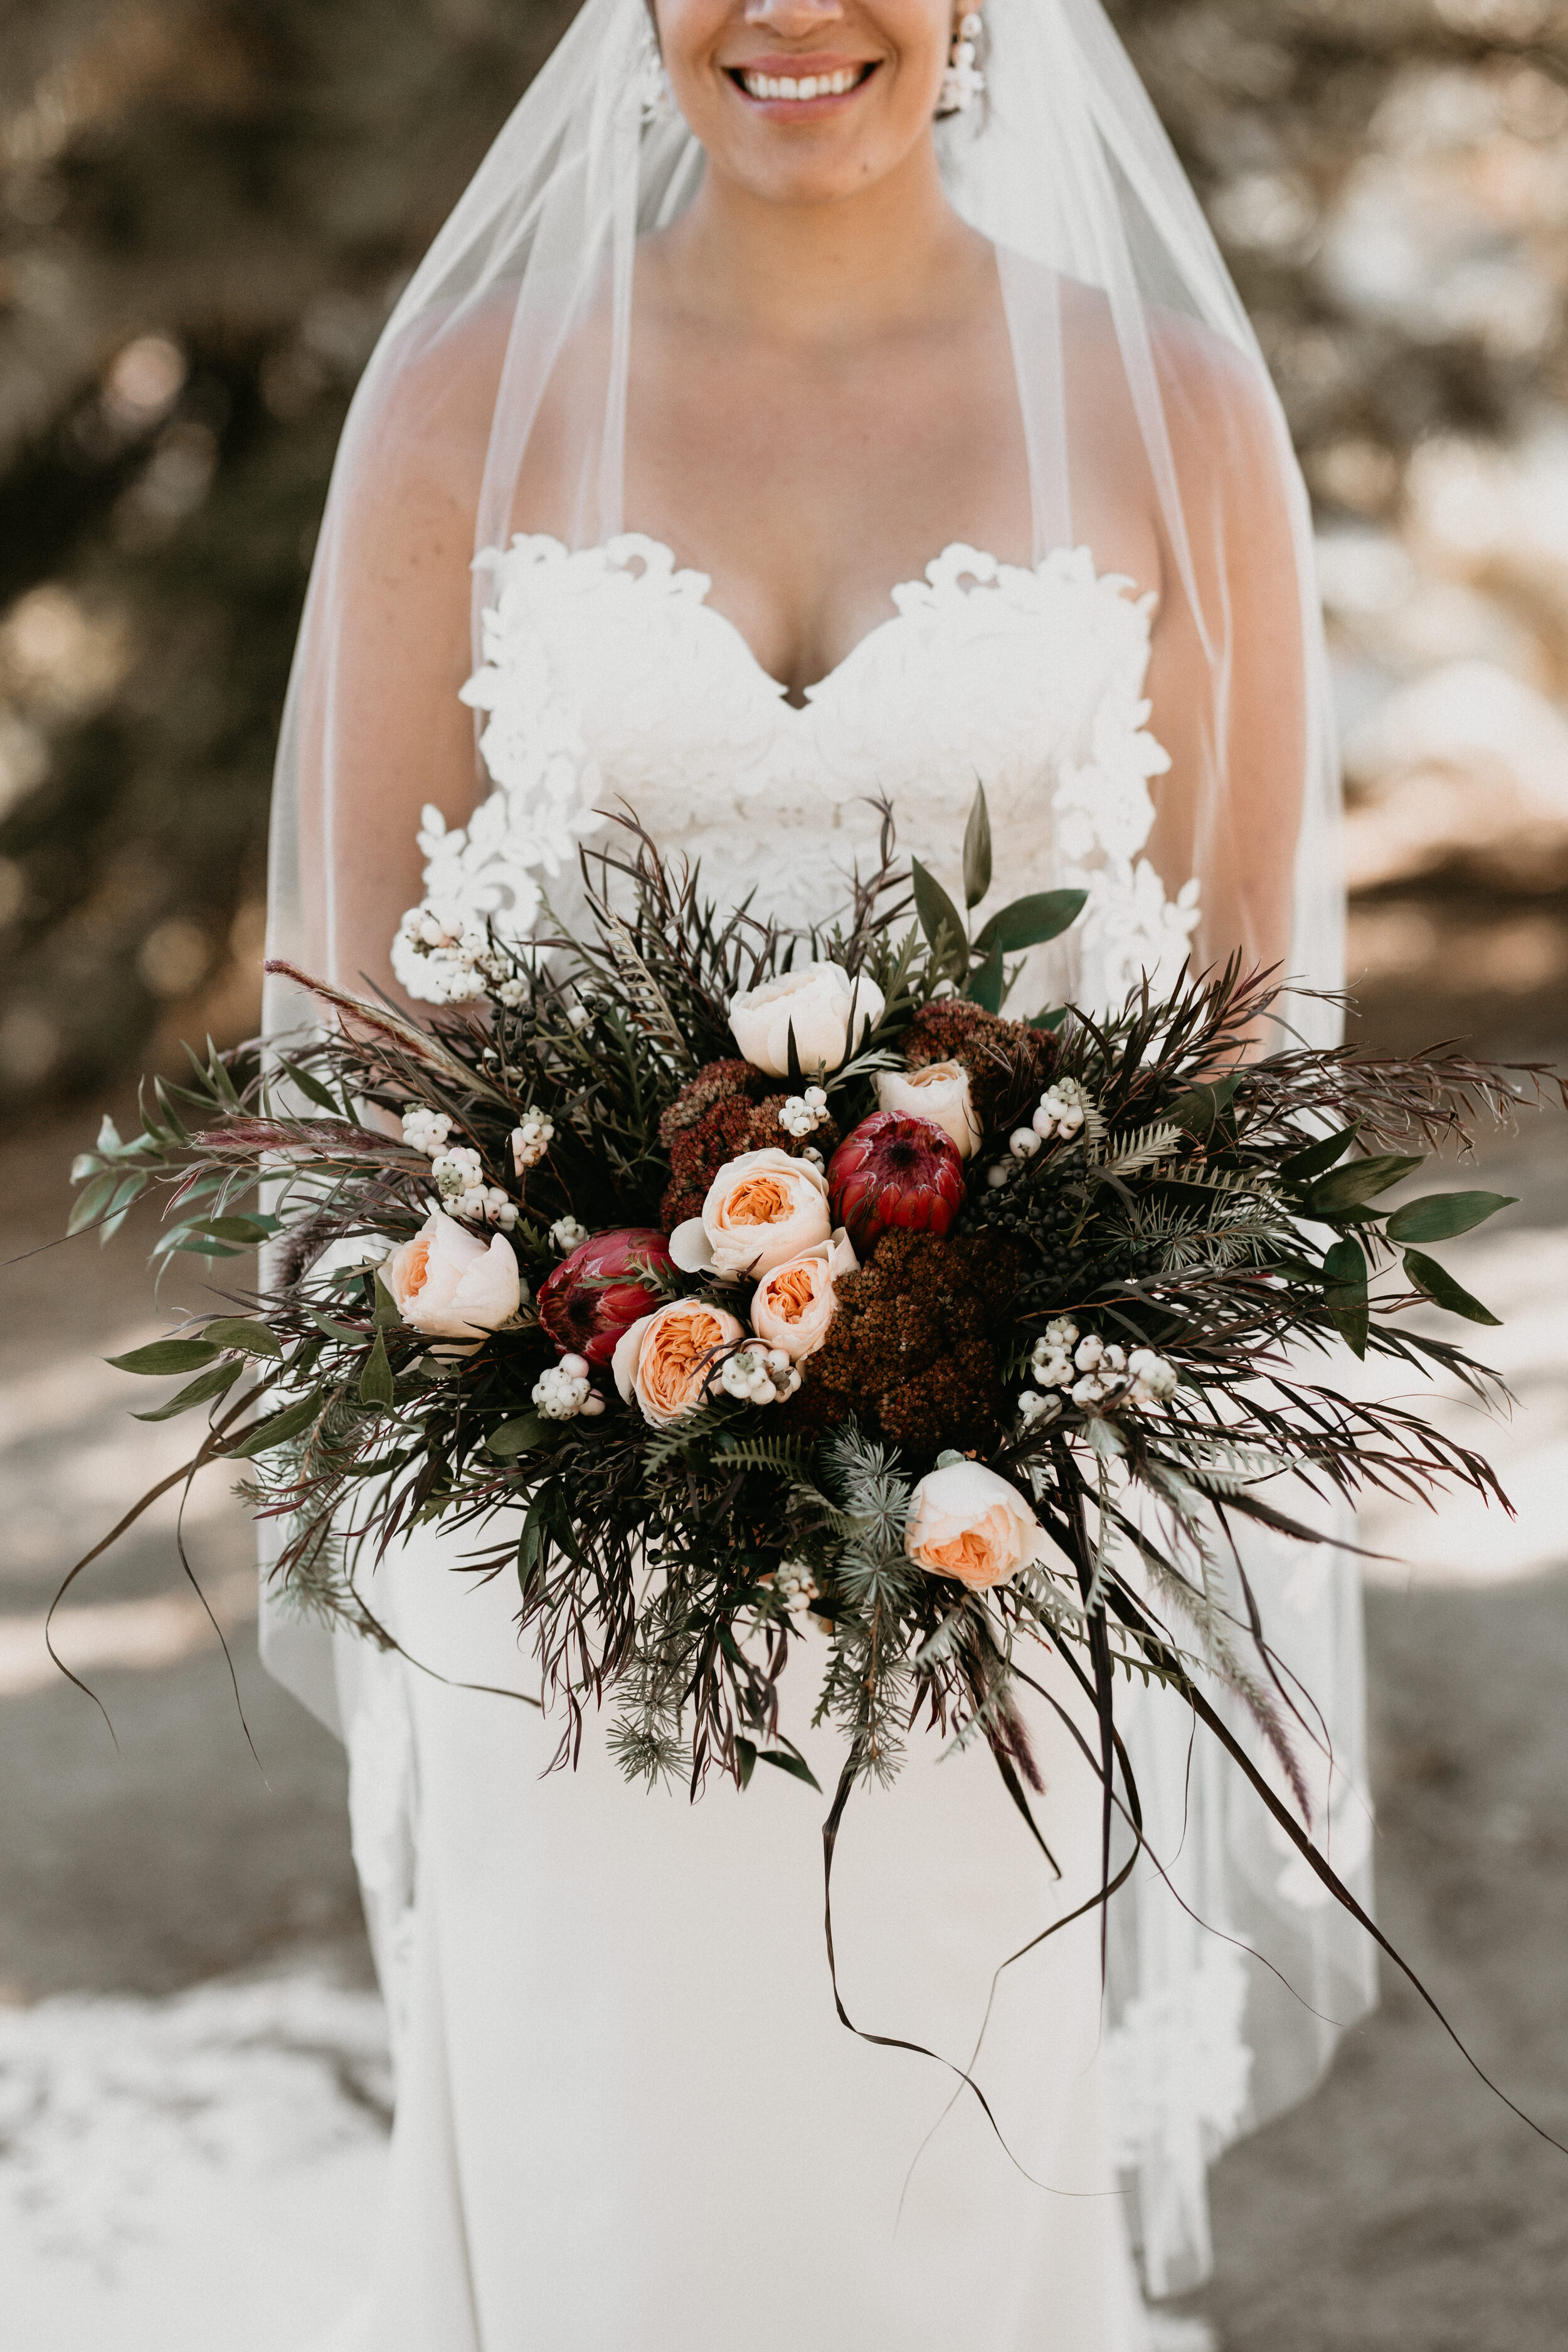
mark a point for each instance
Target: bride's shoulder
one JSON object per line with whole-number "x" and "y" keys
{"x": 423, "y": 414}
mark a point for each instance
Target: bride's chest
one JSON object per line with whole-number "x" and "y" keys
{"x": 983, "y": 671}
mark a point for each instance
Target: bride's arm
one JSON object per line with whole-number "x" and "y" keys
{"x": 387, "y": 647}
{"x": 1228, "y": 681}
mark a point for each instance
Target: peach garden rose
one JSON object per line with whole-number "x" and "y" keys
{"x": 967, "y": 1523}
{"x": 762, "y": 1209}
{"x": 792, "y": 1306}
{"x": 664, "y": 1361}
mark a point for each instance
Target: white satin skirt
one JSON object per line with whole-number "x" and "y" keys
{"x": 628, "y": 2116}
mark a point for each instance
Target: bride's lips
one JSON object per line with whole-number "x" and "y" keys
{"x": 772, "y": 84}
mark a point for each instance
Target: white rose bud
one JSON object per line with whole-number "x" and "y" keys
{"x": 823, "y": 1005}
{"x": 941, "y": 1092}
{"x": 449, "y": 1283}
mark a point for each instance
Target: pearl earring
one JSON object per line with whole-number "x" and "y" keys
{"x": 963, "y": 81}
{"x": 654, "y": 98}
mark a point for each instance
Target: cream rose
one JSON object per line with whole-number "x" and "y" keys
{"x": 940, "y": 1092}
{"x": 793, "y": 1306}
{"x": 761, "y": 1210}
{"x": 823, "y": 1006}
{"x": 449, "y": 1283}
{"x": 665, "y": 1362}
{"x": 967, "y": 1523}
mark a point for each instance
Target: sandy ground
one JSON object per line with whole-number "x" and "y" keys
{"x": 193, "y": 2084}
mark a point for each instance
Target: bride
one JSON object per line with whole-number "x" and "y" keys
{"x": 812, "y": 400}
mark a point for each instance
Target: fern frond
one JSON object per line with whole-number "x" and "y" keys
{"x": 1142, "y": 1149}
{"x": 784, "y": 1454}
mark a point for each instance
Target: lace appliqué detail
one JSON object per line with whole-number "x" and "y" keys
{"x": 607, "y": 671}
{"x": 484, "y": 876}
{"x": 1178, "y": 2072}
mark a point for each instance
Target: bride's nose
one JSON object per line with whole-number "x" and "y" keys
{"x": 794, "y": 20}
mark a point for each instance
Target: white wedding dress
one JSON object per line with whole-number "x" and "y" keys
{"x": 629, "y": 2119}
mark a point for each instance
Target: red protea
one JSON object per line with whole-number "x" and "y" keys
{"x": 895, "y": 1172}
{"x": 594, "y": 1296}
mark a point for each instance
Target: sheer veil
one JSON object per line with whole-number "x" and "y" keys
{"x": 515, "y": 330}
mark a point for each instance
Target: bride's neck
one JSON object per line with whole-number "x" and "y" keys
{"x": 893, "y": 252}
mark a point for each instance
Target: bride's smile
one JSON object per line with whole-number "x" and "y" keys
{"x": 807, "y": 101}
{"x": 792, "y": 88}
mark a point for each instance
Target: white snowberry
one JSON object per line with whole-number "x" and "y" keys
{"x": 530, "y": 1141}
{"x": 794, "y": 1583}
{"x": 560, "y": 1394}
{"x": 1154, "y": 1379}
{"x": 804, "y": 1113}
{"x": 567, "y": 1235}
{"x": 425, "y": 1130}
{"x": 757, "y": 1375}
{"x": 1061, "y": 1111}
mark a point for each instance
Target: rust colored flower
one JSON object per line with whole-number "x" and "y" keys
{"x": 725, "y": 1111}
{"x": 1008, "y": 1063}
{"x": 895, "y": 1172}
{"x": 599, "y": 1292}
{"x": 915, "y": 1347}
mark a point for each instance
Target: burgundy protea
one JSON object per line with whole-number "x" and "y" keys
{"x": 594, "y": 1295}
{"x": 895, "y": 1172}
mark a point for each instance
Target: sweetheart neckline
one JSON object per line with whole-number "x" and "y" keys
{"x": 975, "y": 563}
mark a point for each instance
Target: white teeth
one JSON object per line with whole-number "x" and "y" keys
{"x": 777, "y": 85}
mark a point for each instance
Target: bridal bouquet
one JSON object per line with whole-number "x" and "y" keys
{"x": 723, "y": 1285}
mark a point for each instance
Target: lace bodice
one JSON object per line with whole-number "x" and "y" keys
{"x": 609, "y": 679}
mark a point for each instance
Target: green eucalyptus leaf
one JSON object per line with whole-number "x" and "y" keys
{"x": 334, "y": 1330}
{"x": 376, "y": 1385}
{"x": 546, "y": 1518}
{"x": 201, "y": 1390}
{"x": 1318, "y": 1158}
{"x": 311, "y": 1088}
{"x": 1438, "y": 1216}
{"x": 940, "y": 919}
{"x": 746, "y": 1759}
{"x": 1048, "y": 1020}
{"x": 518, "y": 1436}
{"x": 1440, "y": 1287}
{"x": 1344, "y": 1293}
{"x": 791, "y": 1763}
{"x": 987, "y": 983}
{"x": 1358, "y": 1182}
{"x": 387, "y": 1318}
{"x": 279, "y": 1427}
{"x": 238, "y": 1332}
{"x": 1029, "y": 922}
{"x": 244, "y": 1229}
{"x": 1199, "y": 1110}
{"x": 977, "y": 851}
{"x": 163, "y": 1357}
{"x": 93, "y": 1201}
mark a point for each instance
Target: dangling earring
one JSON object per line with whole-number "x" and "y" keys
{"x": 963, "y": 81}
{"x": 651, "y": 86}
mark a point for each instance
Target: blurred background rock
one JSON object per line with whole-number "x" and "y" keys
{"x": 206, "y": 207}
